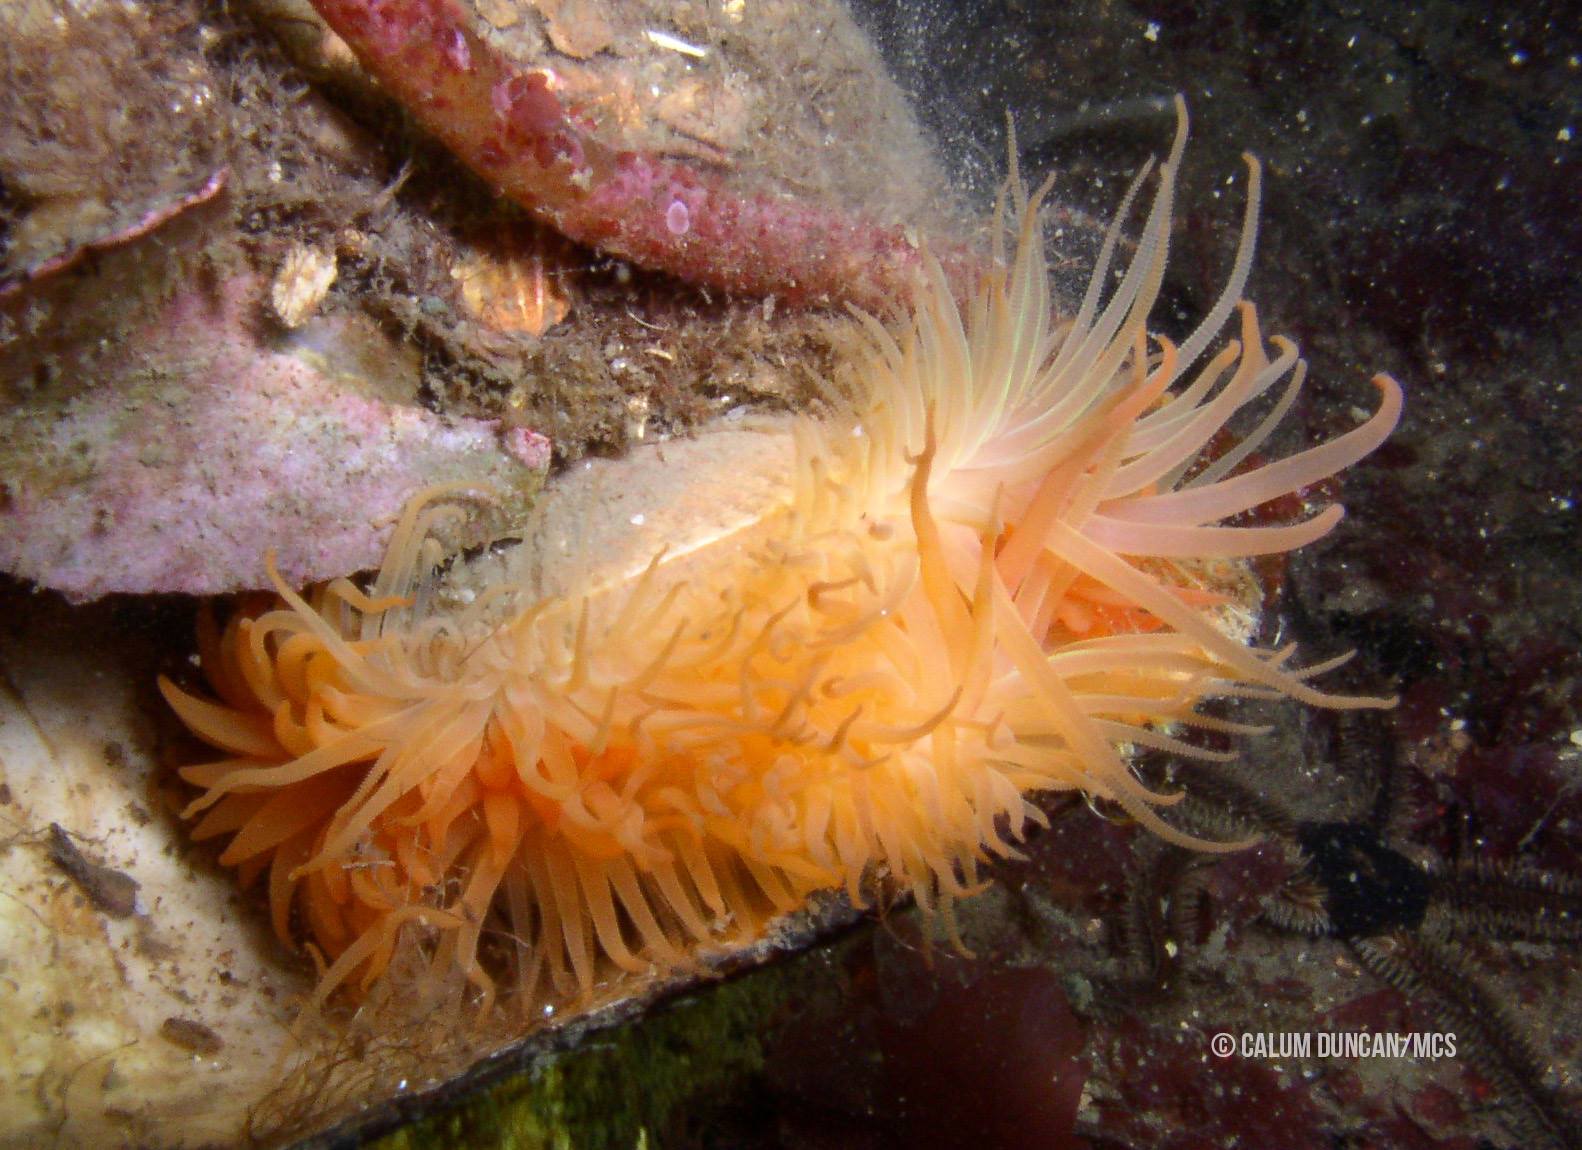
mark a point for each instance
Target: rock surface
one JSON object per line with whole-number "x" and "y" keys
{"x": 215, "y": 443}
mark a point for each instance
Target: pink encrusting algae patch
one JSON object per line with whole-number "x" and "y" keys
{"x": 218, "y": 445}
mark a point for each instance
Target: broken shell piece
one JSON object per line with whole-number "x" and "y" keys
{"x": 501, "y": 14}
{"x": 304, "y": 279}
{"x": 512, "y": 284}
{"x": 578, "y": 28}
{"x": 637, "y": 411}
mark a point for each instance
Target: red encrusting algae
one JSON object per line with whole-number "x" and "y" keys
{"x": 508, "y": 125}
